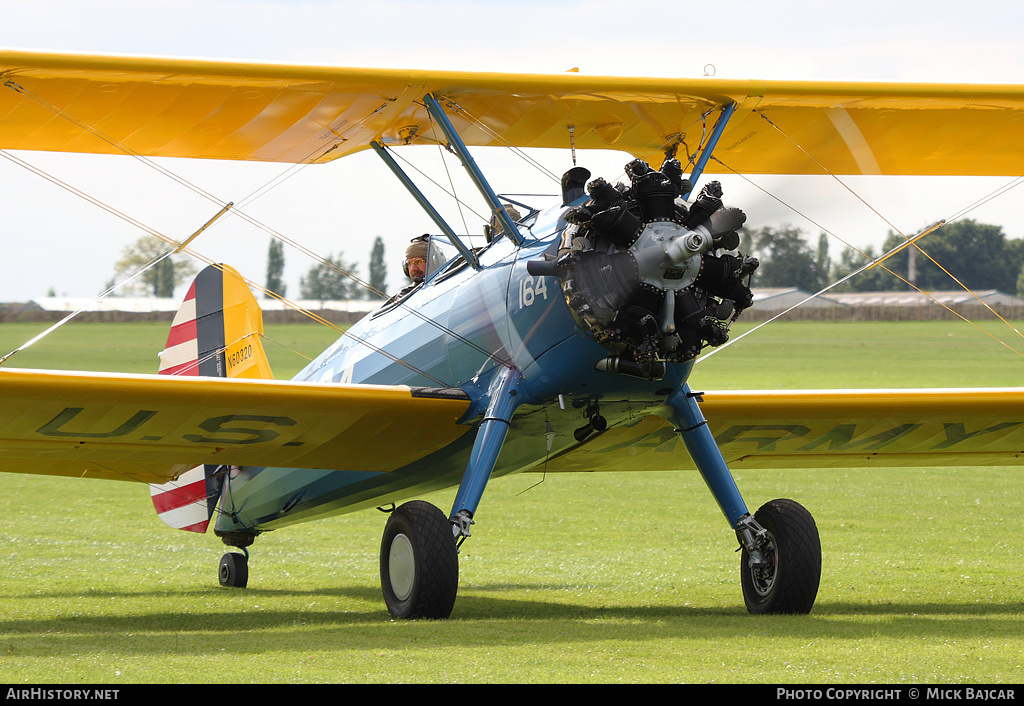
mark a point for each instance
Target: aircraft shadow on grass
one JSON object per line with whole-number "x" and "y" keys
{"x": 324, "y": 625}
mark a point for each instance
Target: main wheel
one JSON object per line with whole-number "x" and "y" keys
{"x": 419, "y": 563}
{"x": 234, "y": 570}
{"x": 789, "y": 581}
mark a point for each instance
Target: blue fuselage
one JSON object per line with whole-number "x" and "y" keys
{"x": 457, "y": 330}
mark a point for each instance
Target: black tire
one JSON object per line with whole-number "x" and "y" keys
{"x": 789, "y": 584}
{"x": 234, "y": 570}
{"x": 419, "y": 563}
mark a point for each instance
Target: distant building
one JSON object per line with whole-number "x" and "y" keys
{"x": 154, "y": 309}
{"x": 782, "y": 298}
{"x": 768, "y": 301}
{"x": 948, "y": 298}
{"x": 130, "y": 304}
{"x": 153, "y": 304}
{"x": 882, "y": 306}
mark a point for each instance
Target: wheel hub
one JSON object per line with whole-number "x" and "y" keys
{"x": 763, "y": 575}
{"x": 401, "y": 566}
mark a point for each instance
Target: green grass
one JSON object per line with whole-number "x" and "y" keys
{"x": 582, "y": 578}
{"x": 861, "y": 354}
{"x": 133, "y": 347}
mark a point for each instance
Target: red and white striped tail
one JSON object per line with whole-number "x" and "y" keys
{"x": 181, "y": 354}
{"x": 218, "y": 317}
{"x": 185, "y": 503}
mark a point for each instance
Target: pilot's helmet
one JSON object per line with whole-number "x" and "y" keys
{"x": 417, "y": 248}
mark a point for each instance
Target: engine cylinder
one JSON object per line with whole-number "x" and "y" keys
{"x": 643, "y": 274}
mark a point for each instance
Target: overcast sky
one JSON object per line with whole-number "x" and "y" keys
{"x": 54, "y": 240}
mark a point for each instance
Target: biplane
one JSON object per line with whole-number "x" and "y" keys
{"x": 564, "y": 340}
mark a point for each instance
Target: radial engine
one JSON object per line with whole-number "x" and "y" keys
{"x": 648, "y": 276}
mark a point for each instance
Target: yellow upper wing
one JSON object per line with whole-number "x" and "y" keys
{"x": 288, "y": 113}
{"x": 151, "y": 428}
{"x": 827, "y": 428}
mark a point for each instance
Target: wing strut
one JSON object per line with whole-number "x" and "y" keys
{"x": 456, "y": 143}
{"x": 425, "y": 204}
{"x": 705, "y": 154}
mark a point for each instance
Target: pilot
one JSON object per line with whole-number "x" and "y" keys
{"x": 415, "y": 264}
{"x": 496, "y": 227}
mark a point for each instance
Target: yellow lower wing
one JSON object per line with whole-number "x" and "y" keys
{"x": 827, "y": 428}
{"x": 152, "y": 428}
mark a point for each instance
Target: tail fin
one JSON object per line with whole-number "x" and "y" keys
{"x": 216, "y": 333}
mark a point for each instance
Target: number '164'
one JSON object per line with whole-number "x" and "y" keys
{"x": 530, "y": 288}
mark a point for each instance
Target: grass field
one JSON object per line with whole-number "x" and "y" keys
{"x": 582, "y": 578}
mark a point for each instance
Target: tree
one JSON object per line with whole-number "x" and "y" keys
{"x": 378, "y": 271}
{"x": 786, "y": 260}
{"x": 979, "y": 255}
{"x": 822, "y": 261}
{"x": 164, "y": 278}
{"x": 275, "y": 268}
{"x": 330, "y": 280}
{"x": 871, "y": 280}
{"x": 157, "y": 281}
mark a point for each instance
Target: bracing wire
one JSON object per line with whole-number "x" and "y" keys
{"x": 877, "y": 262}
{"x": 129, "y": 278}
{"x": 426, "y": 176}
{"x": 291, "y": 171}
{"x": 831, "y": 174}
{"x": 295, "y": 168}
{"x": 451, "y": 183}
{"x": 196, "y": 255}
{"x": 958, "y": 214}
{"x": 497, "y": 137}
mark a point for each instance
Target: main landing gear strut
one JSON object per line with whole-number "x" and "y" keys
{"x": 780, "y": 568}
{"x": 419, "y": 561}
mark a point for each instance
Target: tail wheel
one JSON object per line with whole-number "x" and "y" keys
{"x": 234, "y": 570}
{"x": 788, "y": 582}
{"x": 419, "y": 563}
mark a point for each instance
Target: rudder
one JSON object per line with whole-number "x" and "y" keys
{"x": 217, "y": 330}
{"x": 215, "y": 333}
